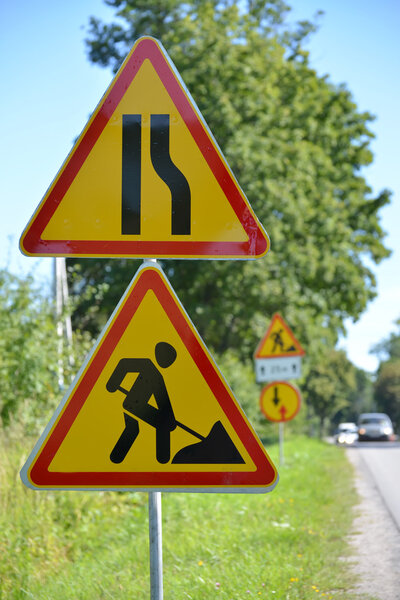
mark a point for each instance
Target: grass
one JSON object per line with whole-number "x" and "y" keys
{"x": 94, "y": 545}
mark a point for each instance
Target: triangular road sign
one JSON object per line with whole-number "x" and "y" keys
{"x": 150, "y": 410}
{"x": 145, "y": 178}
{"x": 279, "y": 341}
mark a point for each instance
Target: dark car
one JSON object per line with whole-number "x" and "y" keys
{"x": 374, "y": 426}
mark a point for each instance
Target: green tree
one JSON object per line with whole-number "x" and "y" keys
{"x": 328, "y": 386}
{"x": 389, "y": 349}
{"x": 360, "y": 399}
{"x": 387, "y": 385}
{"x": 296, "y": 144}
{"x": 387, "y": 389}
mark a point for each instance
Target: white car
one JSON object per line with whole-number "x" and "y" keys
{"x": 347, "y": 433}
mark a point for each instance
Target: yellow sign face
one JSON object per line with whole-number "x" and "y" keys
{"x": 278, "y": 341}
{"x": 145, "y": 178}
{"x": 149, "y": 409}
{"x": 280, "y": 401}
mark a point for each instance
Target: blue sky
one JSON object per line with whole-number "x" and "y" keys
{"x": 49, "y": 89}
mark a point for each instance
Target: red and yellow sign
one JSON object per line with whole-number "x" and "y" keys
{"x": 280, "y": 401}
{"x": 150, "y": 410}
{"x": 279, "y": 341}
{"x": 145, "y": 178}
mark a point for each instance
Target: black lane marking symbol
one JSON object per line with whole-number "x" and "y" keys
{"x": 163, "y": 166}
{"x": 131, "y": 173}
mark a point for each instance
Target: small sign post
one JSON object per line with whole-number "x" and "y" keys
{"x": 277, "y": 359}
{"x": 281, "y": 457}
{"x": 280, "y": 401}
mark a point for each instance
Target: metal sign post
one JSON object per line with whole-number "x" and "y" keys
{"x": 155, "y": 538}
{"x": 281, "y": 458}
{"x": 155, "y": 531}
{"x": 280, "y": 401}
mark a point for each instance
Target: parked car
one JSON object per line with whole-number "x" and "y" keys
{"x": 346, "y": 433}
{"x": 374, "y": 426}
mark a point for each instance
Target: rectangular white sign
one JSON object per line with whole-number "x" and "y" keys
{"x": 274, "y": 369}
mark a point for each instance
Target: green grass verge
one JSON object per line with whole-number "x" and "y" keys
{"x": 286, "y": 544}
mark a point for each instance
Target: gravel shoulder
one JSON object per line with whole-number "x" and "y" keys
{"x": 375, "y": 539}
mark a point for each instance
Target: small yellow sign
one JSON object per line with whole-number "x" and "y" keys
{"x": 279, "y": 341}
{"x": 149, "y": 409}
{"x": 280, "y": 401}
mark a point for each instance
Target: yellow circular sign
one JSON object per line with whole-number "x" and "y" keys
{"x": 280, "y": 401}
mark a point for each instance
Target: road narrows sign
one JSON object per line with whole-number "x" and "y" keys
{"x": 150, "y": 410}
{"x": 145, "y": 178}
{"x": 280, "y": 401}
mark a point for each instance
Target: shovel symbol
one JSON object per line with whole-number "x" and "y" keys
{"x": 216, "y": 448}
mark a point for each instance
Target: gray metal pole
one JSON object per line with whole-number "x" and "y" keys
{"x": 58, "y": 314}
{"x": 155, "y": 531}
{"x": 65, "y": 296}
{"x": 281, "y": 459}
{"x": 155, "y": 537}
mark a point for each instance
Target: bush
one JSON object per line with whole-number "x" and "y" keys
{"x": 32, "y": 355}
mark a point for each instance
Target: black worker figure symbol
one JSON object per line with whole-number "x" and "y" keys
{"x": 278, "y": 342}
{"x": 148, "y": 383}
{"x": 215, "y": 448}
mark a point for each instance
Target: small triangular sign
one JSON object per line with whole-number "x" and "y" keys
{"x": 145, "y": 178}
{"x": 279, "y": 341}
{"x": 150, "y": 410}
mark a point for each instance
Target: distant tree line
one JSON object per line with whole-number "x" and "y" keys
{"x": 297, "y": 144}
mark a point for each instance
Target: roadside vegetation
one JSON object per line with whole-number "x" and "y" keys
{"x": 93, "y": 545}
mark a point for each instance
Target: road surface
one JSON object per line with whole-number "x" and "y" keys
{"x": 376, "y": 528}
{"x": 383, "y": 462}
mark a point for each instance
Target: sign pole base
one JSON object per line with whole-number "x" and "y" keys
{"x": 155, "y": 538}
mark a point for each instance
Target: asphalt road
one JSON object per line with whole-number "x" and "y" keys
{"x": 375, "y": 535}
{"x": 383, "y": 462}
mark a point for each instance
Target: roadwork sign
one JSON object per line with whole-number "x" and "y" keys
{"x": 280, "y": 401}
{"x": 279, "y": 341}
{"x": 145, "y": 178}
{"x": 149, "y": 410}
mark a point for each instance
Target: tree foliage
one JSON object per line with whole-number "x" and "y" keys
{"x": 296, "y": 144}
{"x": 389, "y": 349}
{"x": 387, "y": 385}
{"x": 329, "y": 385}
{"x": 360, "y": 399}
